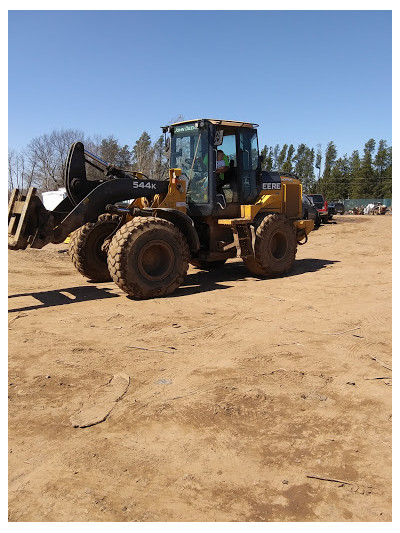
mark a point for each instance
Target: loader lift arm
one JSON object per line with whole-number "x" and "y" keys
{"x": 76, "y": 182}
{"x": 31, "y": 224}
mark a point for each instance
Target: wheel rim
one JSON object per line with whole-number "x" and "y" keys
{"x": 156, "y": 260}
{"x": 99, "y": 254}
{"x": 278, "y": 245}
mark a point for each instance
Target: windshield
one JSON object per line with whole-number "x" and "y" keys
{"x": 317, "y": 198}
{"x": 189, "y": 152}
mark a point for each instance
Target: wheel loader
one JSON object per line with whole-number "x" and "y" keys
{"x": 142, "y": 233}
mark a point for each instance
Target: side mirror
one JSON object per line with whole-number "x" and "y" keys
{"x": 167, "y": 144}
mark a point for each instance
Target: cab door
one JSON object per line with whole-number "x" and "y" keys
{"x": 248, "y": 162}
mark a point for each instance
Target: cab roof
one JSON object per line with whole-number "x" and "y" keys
{"x": 232, "y": 123}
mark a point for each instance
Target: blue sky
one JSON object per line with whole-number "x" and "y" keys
{"x": 303, "y": 76}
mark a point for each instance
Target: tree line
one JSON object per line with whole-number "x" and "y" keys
{"x": 356, "y": 176}
{"x": 42, "y": 163}
{"x": 369, "y": 175}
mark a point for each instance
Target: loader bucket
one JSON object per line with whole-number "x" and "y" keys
{"x": 25, "y": 215}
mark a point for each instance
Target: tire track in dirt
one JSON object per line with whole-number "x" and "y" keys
{"x": 365, "y": 349}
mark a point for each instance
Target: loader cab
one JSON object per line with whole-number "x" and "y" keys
{"x": 193, "y": 148}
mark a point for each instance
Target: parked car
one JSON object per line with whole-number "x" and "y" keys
{"x": 339, "y": 208}
{"x": 309, "y": 211}
{"x": 321, "y": 206}
{"x": 331, "y": 210}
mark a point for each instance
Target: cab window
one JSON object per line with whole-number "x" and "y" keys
{"x": 229, "y": 148}
{"x": 249, "y": 149}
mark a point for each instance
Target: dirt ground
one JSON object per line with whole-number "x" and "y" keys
{"x": 234, "y": 399}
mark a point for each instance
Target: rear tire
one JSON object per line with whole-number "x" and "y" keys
{"x": 85, "y": 247}
{"x": 148, "y": 257}
{"x": 275, "y": 247}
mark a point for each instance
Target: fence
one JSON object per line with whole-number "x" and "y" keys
{"x": 349, "y": 204}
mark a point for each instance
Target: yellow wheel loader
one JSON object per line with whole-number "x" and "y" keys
{"x": 142, "y": 233}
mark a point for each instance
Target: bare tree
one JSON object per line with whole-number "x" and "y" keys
{"x": 20, "y": 171}
{"x": 43, "y": 163}
{"x": 177, "y": 118}
{"x": 12, "y": 184}
{"x": 48, "y": 154}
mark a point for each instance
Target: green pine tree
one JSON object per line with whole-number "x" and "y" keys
{"x": 288, "y": 165}
{"x": 304, "y": 167}
{"x": 143, "y": 154}
{"x": 282, "y": 157}
{"x": 276, "y": 156}
{"x": 160, "y": 162}
{"x": 383, "y": 167}
{"x": 330, "y": 158}
{"x": 339, "y": 181}
{"x": 109, "y": 150}
{"x": 318, "y": 160}
{"x": 263, "y": 154}
{"x": 324, "y": 185}
{"x": 387, "y": 176}
{"x": 366, "y": 175}
{"x": 269, "y": 163}
{"x": 124, "y": 158}
{"x": 355, "y": 165}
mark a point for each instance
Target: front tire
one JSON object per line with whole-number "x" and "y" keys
{"x": 148, "y": 257}
{"x": 85, "y": 247}
{"x": 275, "y": 247}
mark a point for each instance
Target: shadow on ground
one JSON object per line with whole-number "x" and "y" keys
{"x": 194, "y": 283}
{"x": 65, "y": 296}
{"x": 205, "y": 281}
